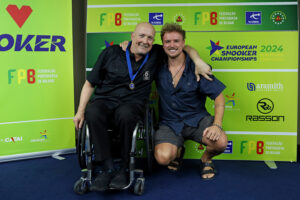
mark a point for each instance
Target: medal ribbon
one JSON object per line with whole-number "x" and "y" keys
{"x": 131, "y": 75}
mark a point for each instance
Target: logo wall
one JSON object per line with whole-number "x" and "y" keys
{"x": 248, "y": 46}
{"x": 36, "y": 77}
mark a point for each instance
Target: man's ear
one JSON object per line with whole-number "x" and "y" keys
{"x": 132, "y": 35}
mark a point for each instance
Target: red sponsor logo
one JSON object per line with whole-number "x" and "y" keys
{"x": 19, "y": 15}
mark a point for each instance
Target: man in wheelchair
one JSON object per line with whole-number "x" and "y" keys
{"x": 121, "y": 83}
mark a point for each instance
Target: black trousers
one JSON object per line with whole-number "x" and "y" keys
{"x": 99, "y": 114}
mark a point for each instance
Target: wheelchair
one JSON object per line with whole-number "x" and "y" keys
{"x": 143, "y": 133}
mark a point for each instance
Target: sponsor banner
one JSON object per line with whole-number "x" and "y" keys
{"x": 194, "y": 18}
{"x": 264, "y": 101}
{"x": 226, "y": 50}
{"x": 36, "y": 74}
{"x": 109, "y": 2}
{"x": 251, "y": 147}
{"x": 36, "y": 136}
{"x": 247, "y": 50}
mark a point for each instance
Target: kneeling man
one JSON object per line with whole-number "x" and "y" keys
{"x": 182, "y": 107}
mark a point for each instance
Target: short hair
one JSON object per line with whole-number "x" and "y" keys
{"x": 172, "y": 27}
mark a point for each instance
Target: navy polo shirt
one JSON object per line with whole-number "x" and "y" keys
{"x": 184, "y": 104}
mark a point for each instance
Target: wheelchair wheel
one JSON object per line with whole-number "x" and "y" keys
{"x": 153, "y": 120}
{"x": 81, "y": 142}
{"x": 81, "y": 186}
{"x": 139, "y": 186}
{"x": 149, "y": 132}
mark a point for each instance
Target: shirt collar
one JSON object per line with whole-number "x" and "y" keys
{"x": 187, "y": 63}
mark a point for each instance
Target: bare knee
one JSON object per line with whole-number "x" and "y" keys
{"x": 163, "y": 156}
{"x": 221, "y": 144}
{"x": 218, "y": 146}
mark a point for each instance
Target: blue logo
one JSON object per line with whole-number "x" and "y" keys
{"x": 251, "y": 86}
{"x": 228, "y": 148}
{"x": 253, "y": 17}
{"x": 32, "y": 42}
{"x": 214, "y": 47}
{"x": 156, "y": 18}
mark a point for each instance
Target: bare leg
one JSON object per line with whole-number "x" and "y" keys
{"x": 165, "y": 153}
{"x": 213, "y": 148}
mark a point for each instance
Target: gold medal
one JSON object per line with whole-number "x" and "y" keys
{"x": 131, "y": 86}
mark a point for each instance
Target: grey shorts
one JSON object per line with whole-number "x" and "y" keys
{"x": 166, "y": 135}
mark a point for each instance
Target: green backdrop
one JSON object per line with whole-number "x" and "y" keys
{"x": 36, "y": 74}
{"x": 256, "y": 58}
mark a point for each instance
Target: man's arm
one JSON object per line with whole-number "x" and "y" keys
{"x": 200, "y": 66}
{"x": 213, "y": 132}
{"x": 85, "y": 96}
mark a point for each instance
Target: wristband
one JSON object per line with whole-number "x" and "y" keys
{"x": 217, "y": 125}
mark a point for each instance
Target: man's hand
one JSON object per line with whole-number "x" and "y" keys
{"x": 212, "y": 133}
{"x": 124, "y": 45}
{"x": 203, "y": 69}
{"x": 78, "y": 120}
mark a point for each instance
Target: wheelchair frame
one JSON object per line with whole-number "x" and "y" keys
{"x": 142, "y": 131}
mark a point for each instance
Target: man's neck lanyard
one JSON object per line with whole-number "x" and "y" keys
{"x": 131, "y": 75}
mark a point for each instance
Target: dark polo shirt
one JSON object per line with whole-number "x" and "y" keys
{"x": 111, "y": 78}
